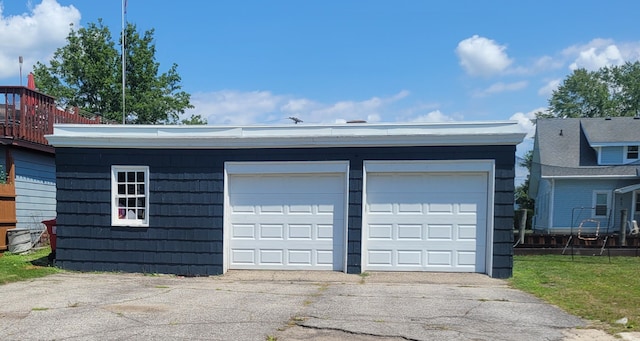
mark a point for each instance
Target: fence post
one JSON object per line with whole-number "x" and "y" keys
{"x": 623, "y": 227}
{"x": 523, "y": 224}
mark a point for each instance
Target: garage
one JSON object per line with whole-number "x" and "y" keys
{"x": 286, "y": 216}
{"x": 332, "y": 197}
{"x": 427, "y": 216}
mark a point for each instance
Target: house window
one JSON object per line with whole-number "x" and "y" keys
{"x": 632, "y": 152}
{"x": 601, "y": 203}
{"x": 130, "y": 195}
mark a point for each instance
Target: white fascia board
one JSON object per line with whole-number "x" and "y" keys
{"x": 626, "y": 189}
{"x": 286, "y": 167}
{"x": 290, "y": 136}
{"x": 595, "y": 177}
{"x": 614, "y": 144}
{"x": 412, "y": 166}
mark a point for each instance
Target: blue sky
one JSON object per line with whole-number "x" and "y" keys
{"x": 258, "y": 62}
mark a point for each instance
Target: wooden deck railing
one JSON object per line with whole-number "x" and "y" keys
{"x": 29, "y": 115}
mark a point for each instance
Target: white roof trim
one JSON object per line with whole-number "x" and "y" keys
{"x": 289, "y": 136}
{"x": 626, "y": 189}
{"x": 614, "y": 144}
{"x": 587, "y": 176}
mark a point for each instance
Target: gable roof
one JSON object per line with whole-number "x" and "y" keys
{"x": 614, "y": 131}
{"x": 564, "y": 147}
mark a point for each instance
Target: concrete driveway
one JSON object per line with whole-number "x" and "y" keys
{"x": 267, "y": 305}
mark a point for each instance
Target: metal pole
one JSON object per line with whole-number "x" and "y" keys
{"x": 124, "y": 74}
{"x": 20, "y": 61}
{"x": 623, "y": 227}
{"x": 523, "y": 223}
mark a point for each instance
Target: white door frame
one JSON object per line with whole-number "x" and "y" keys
{"x": 432, "y": 166}
{"x": 283, "y": 167}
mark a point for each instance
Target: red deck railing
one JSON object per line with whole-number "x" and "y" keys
{"x": 28, "y": 115}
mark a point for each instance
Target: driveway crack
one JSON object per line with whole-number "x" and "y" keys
{"x": 351, "y": 332}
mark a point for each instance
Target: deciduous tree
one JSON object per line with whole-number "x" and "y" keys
{"x": 609, "y": 91}
{"x": 522, "y": 190}
{"x": 87, "y": 73}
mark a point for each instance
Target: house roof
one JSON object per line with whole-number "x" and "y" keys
{"x": 286, "y": 136}
{"x": 566, "y": 145}
{"x": 611, "y": 132}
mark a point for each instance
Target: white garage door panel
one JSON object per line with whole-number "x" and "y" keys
{"x": 285, "y": 222}
{"x": 426, "y": 222}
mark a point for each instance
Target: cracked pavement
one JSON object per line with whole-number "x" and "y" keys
{"x": 272, "y": 305}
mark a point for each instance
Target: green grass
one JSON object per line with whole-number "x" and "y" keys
{"x": 14, "y": 267}
{"x": 587, "y": 286}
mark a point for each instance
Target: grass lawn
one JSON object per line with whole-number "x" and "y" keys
{"x": 587, "y": 286}
{"x": 14, "y": 267}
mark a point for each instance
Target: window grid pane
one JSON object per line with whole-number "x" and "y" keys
{"x": 601, "y": 205}
{"x": 131, "y": 195}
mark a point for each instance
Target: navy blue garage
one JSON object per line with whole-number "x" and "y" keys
{"x": 200, "y": 200}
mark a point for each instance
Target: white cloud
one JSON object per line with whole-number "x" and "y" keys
{"x": 434, "y": 116}
{"x": 34, "y": 35}
{"x": 524, "y": 120}
{"x": 229, "y": 107}
{"x": 548, "y": 89}
{"x": 596, "y": 58}
{"x": 545, "y": 63}
{"x": 501, "y": 87}
{"x": 480, "y": 56}
{"x": 236, "y": 108}
{"x": 601, "y": 52}
{"x": 369, "y": 110}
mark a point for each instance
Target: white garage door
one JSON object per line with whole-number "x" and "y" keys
{"x": 425, "y": 222}
{"x": 286, "y": 221}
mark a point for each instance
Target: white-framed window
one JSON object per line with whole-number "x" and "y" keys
{"x": 130, "y": 196}
{"x": 632, "y": 152}
{"x": 601, "y": 203}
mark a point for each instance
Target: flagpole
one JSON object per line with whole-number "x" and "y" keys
{"x": 124, "y": 74}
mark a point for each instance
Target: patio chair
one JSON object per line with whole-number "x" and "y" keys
{"x": 633, "y": 228}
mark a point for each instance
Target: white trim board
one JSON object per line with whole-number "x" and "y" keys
{"x": 289, "y": 136}
{"x": 444, "y": 166}
{"x": 284, "y": 168}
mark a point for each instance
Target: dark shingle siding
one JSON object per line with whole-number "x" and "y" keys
{"x": 187, "y": 204}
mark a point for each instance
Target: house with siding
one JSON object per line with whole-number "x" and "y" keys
{"x": 585, "y": 169}
{"x": 201, "y": 200}
{"x": 28, "y": 188}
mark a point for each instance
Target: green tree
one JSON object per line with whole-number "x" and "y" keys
{"x": 87, "y": 73}
{"x": 522, "y": 191}
{"x": 626, "y": 82}
{"x": 609, "y": 91}
{"x": 194, "y": 120}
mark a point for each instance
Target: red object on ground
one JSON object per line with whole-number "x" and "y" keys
{"x": 51, "y": 230}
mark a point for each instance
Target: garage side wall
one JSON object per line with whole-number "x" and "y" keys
{"x": 187, "y": 204}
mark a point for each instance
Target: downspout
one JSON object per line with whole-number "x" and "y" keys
{"x": 613, "y": 211}
{"x": 551, "y": 204}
